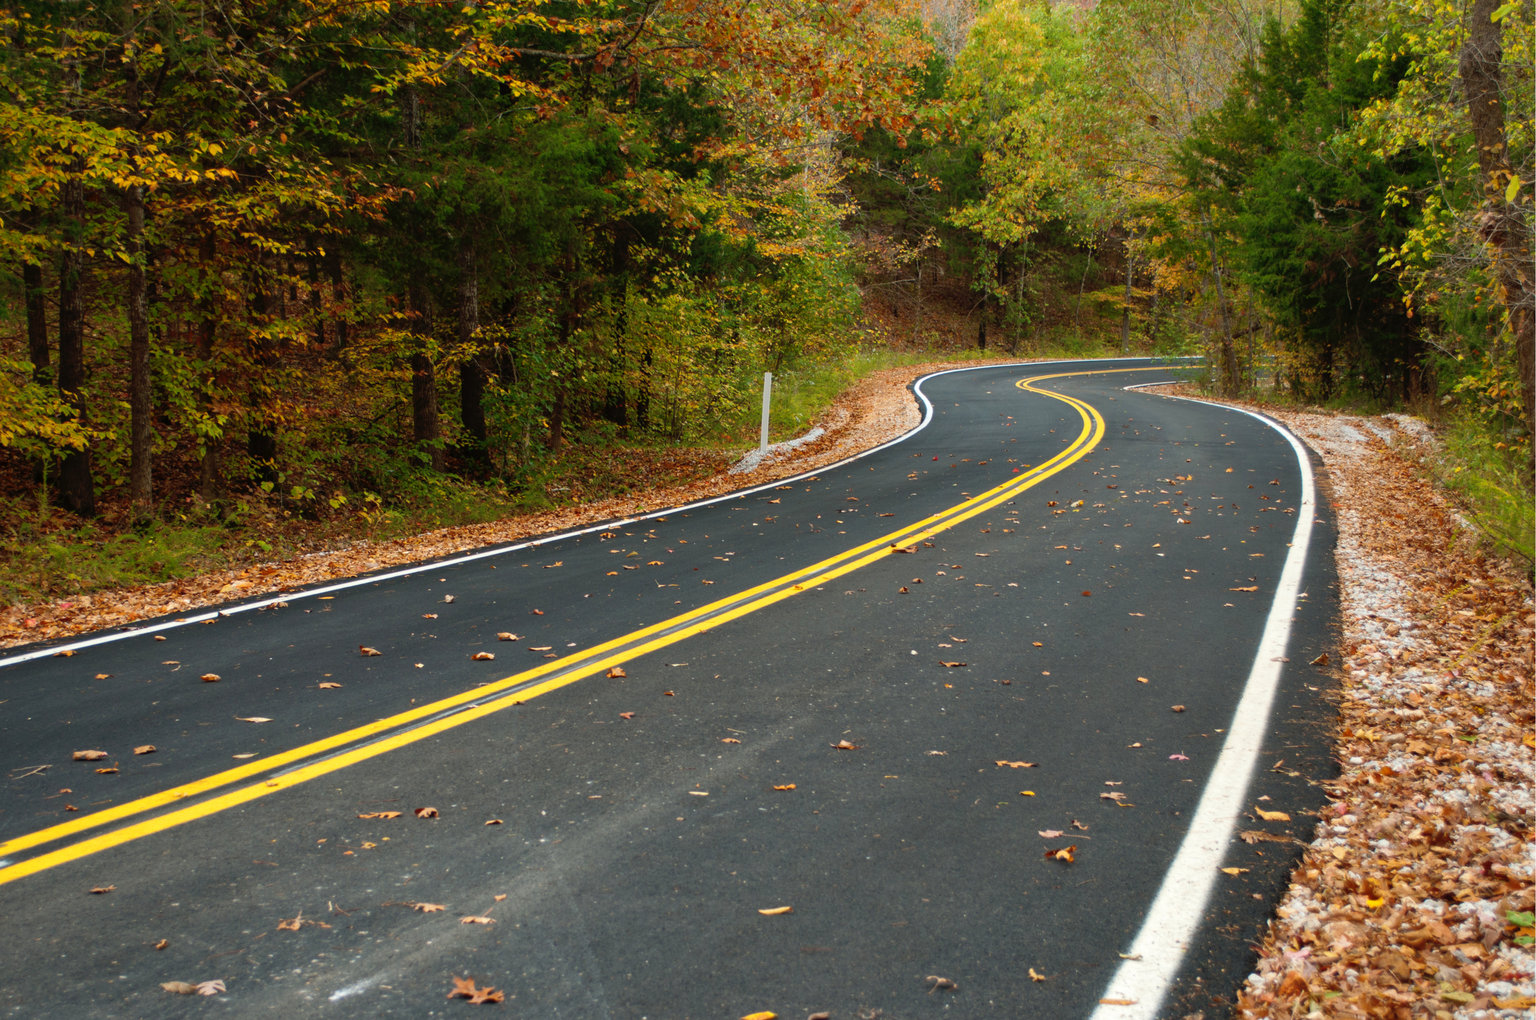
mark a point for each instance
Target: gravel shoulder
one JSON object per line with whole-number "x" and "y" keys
{"x": 1409, "y": 901}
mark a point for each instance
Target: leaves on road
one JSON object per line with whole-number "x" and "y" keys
{"x": 846, "y": 745}
{"x": 1271, "y": 816}
{"x": 1064, "y": 854}
{"x": 617, "y": 673}
{"x": 329, "y": 685}
{"x": 506, "y": 635}
{"x": 380, "y": 814}
{"x": 210, "y": 678}
{"x": 101, "y": 890}
{"x": 252, "y": 718}
{"x": 145, "y": 749}
{"x": 366, "y": 651}
{"x": 426, "y": 812}
{"x": 464, "y": 988}
{"x": 187, "y": 988}
{"x": 775, "y": 911}
{"x": 88, "y": 755}
{"x": 1018, "y": 764}
{"x": 483, "y": 656}
{"x": 937, "y": 984}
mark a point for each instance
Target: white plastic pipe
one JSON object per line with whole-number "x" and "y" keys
{"x": 762, "y": 442}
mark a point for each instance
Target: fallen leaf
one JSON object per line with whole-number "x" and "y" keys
{"x": 1142, "y": 680}
{"x": 144, "y": 749}
{"x": 493, "y": 821}
{"x": 786, "y": 786}
{"x": 476, "y": 919}
{"x": 428, "y": 908}
{"x": 179, "y": 987}
{"x": 617, "y": 673}
{"x": 1116, "y": 796}
{"x": 626, "y": 715}
{"x": 669, "y": 694}
{"x": 210, "y": 987}
{"x": 1234, "y": 871}
{"x": 448, "y": 598}
{"x": 729, "y": 740}
{"x": 429, "y": 616}
{"x": 64, "y": 653}
{"x": 1064, "y": 855}
{"x": 103, "y": 676}
{"x": 1087, "y": 593}
{"x": 775, "y": 911}
{"x": 426, "y": 812}
{"x": 242, "y": 756}
{"x": 506, "y": 635}
{"x": 846, "y": 745}
{"x": 163, "y": 943}
{"x": 762, "y": 1015}
{"x": 88, "y": 755}
{"x": 102, "y": 889}
{"x": 106, "y": 772}
{"x": 329, "y": 685}
{"x": 936, "y": 754}
{"x": 1035, "y": 975}
{"x": 364, "y": 650}
{"x": 210, "y": 678}
{"x": 1271, "y": 816}
{"x": 1019, "y": 764}
{"x": 1117, "y": 1002}
{"x": 950, "y": 665}
{"x": 483, "y": 656}
{"x": 1178, "y": 708}
{"x": 1321, "y": 660}
{"x": 1178, "y": 757}
{"x": 252, "y": 718}
{"x": 464, "y": 988}
{"x": 1038, "y": 644}
{"x": 540, "y": 648}
{"x": 935, "y": 983}
{"x": 1050, "y": 833}
{"x": 538, "y": 612}
{"x": 1251, "y": 587}
{"x": 380, "y": 814}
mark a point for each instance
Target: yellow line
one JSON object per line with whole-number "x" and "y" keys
{"x": 499, "y": 695}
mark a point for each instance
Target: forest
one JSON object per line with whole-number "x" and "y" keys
{"x": 370, "y": 264}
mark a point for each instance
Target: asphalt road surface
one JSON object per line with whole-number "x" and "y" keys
{"x": 989, "y": 710}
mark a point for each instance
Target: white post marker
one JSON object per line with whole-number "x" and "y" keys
{"x": 762, "y": 441}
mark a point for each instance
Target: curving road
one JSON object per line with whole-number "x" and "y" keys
{"x": 990, "y": 708}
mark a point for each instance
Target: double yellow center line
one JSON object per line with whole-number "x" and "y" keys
{"x": 178, "y": 805}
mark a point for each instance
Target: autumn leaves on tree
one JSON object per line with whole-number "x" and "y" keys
{"x": 316, "y": 252}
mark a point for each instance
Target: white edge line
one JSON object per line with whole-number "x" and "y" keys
{"x": 1159, "y": 948}
{"x": 502, "y": 550}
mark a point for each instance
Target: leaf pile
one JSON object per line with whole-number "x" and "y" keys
{"x": 1415, "y": 899}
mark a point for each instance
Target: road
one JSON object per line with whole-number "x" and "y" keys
{"x": 988, "y": 709}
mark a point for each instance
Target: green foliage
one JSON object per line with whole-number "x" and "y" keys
{"x": 1493, "y": 477}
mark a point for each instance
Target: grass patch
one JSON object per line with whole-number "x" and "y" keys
{"x": 1494, "y": 483}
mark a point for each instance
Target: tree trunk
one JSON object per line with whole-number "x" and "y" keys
{"x": 1502, "y": 223}
{"x": 77, "y": 492}
{"x": 140, "y": 394}
{"x": 425, "y": 421}
{"x": 37, "y": 321}
{"x": 260, "y": 439}
{"x": 1229, "y": 370}
{"x": 472, "y": 374}
{"x": 210, "y": 474}
{"x": 1125, "y": 311}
